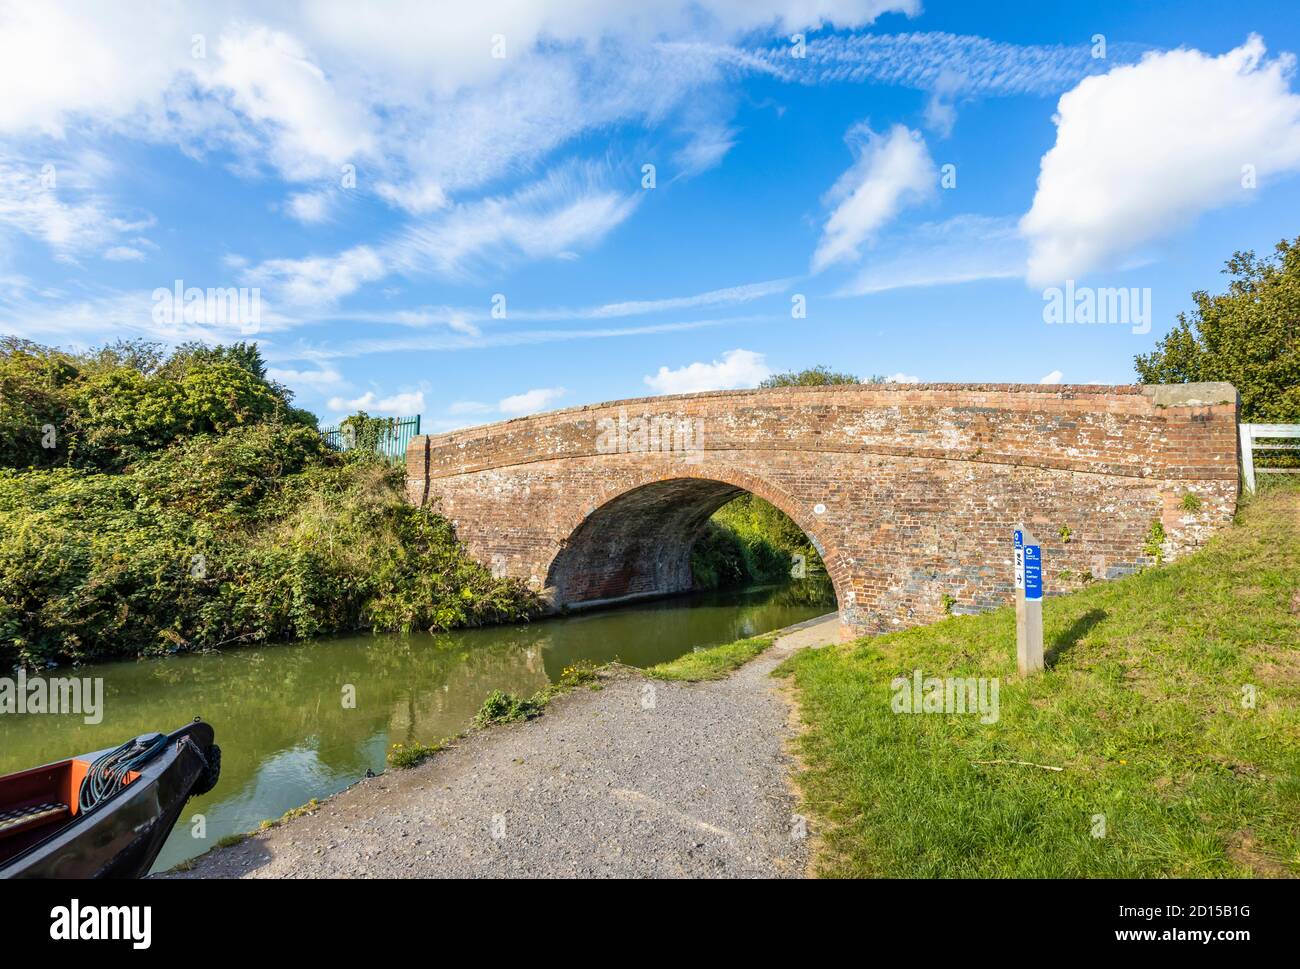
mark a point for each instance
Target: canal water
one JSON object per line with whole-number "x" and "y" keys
{"x": 279, "y": 713}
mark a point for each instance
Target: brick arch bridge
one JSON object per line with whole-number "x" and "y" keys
{"x": 910, "y": 492}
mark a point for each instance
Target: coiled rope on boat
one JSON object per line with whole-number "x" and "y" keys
{"x": 108, "y": 772}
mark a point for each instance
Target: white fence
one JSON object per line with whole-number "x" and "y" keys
{"x": 1250, "y": 433}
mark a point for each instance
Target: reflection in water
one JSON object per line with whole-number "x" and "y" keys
{"x": 278, "y": 711}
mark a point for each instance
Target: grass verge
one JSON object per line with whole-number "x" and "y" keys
{"x": 1171, "y": 701}
{"x": 713, "y": 662}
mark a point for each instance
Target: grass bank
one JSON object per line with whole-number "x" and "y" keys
{"x": 711, "y": 663}
{"x": 1171, "y": 703}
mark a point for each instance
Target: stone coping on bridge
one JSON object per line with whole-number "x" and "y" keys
{"x": 1183, "y": 431}
{"x": 1161, "y": 395}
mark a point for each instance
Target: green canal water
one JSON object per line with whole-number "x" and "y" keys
{"x": 279, "y": 715}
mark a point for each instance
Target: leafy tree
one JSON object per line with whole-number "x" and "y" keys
{"x": 115, "y": 405}
{"x": 819, "y": 376}
{"x": 34, "y": 385}
{"x": 1248, "y": 336}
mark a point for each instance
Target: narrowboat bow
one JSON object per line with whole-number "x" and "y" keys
{"x": 105, "y": 814}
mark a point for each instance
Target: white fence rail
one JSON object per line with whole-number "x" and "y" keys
{"x": 1250, "y": 433}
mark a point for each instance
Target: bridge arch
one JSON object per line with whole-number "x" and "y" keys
{"x": 636, "y": 540}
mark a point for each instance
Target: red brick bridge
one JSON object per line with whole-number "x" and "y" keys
{"x": 910, "y": 492}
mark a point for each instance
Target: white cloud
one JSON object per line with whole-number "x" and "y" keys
{"x": 123, "y": 254}
{"x": 310, "y": 208}
{"x": 319, "y": 279}
{"x": 1054, "y": 377}
{"x": 890, "y": 171}
{"x": 312, "y": 125}
{"x": 409, "y": 87}
{"x": 531, "y": 401}
{"x": 1146, "y": 148}
{"x": 398, "y": 405}
{"x": 737, "y": 368}
{"x": 418, "y": 197}
{"x": 469, "y": 407}
{"x": 60, "y": 61}
{"x": 902, "y": 378}
{"x": 319, "y": 379}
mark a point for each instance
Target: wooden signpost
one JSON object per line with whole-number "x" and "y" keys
{"x": 1029, "y": 602}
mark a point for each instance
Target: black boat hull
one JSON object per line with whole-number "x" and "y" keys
{"x": 122, "y": 837}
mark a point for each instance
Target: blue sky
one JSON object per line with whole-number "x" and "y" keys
{"x": 380, "y": 178}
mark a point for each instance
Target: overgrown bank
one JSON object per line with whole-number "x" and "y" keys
{"x": 153, "y": 502}
{"x": 749, "y": 541}
{"x": 1171, "y": 707}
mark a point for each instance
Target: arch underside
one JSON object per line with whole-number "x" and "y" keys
{"x": 637, "y": 544}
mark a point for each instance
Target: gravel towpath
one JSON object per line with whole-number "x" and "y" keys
{"x": 604, "y": 784}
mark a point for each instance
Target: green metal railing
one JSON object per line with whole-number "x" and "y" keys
{"x": 391, "y": 441}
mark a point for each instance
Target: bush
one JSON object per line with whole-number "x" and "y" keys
{"x": 502, "y": 707}
{"x": 194, "y": 508}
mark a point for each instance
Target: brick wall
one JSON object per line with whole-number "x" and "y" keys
{"x": 909, "y": 491}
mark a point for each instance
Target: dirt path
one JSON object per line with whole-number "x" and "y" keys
{"x": 603, "y": 785}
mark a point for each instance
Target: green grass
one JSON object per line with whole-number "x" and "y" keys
{"x": 712, "y": 663}
{"x": 1141, "y": 704}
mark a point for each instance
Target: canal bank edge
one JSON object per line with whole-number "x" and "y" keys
{"x": 703, "y": 667}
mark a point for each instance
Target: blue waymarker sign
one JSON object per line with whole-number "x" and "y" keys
{"x": 1033, "y": 573}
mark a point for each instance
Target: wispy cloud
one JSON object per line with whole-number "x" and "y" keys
{"x": 727, "y": 296}
{"x": 124, "y": 254}
{"x": 58, "y": 201}
{"x": 963, "y": 63}
{"x": 570, "y": 208}
{"x": 963, "y": 249}
{"x": 450, "y": 342}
